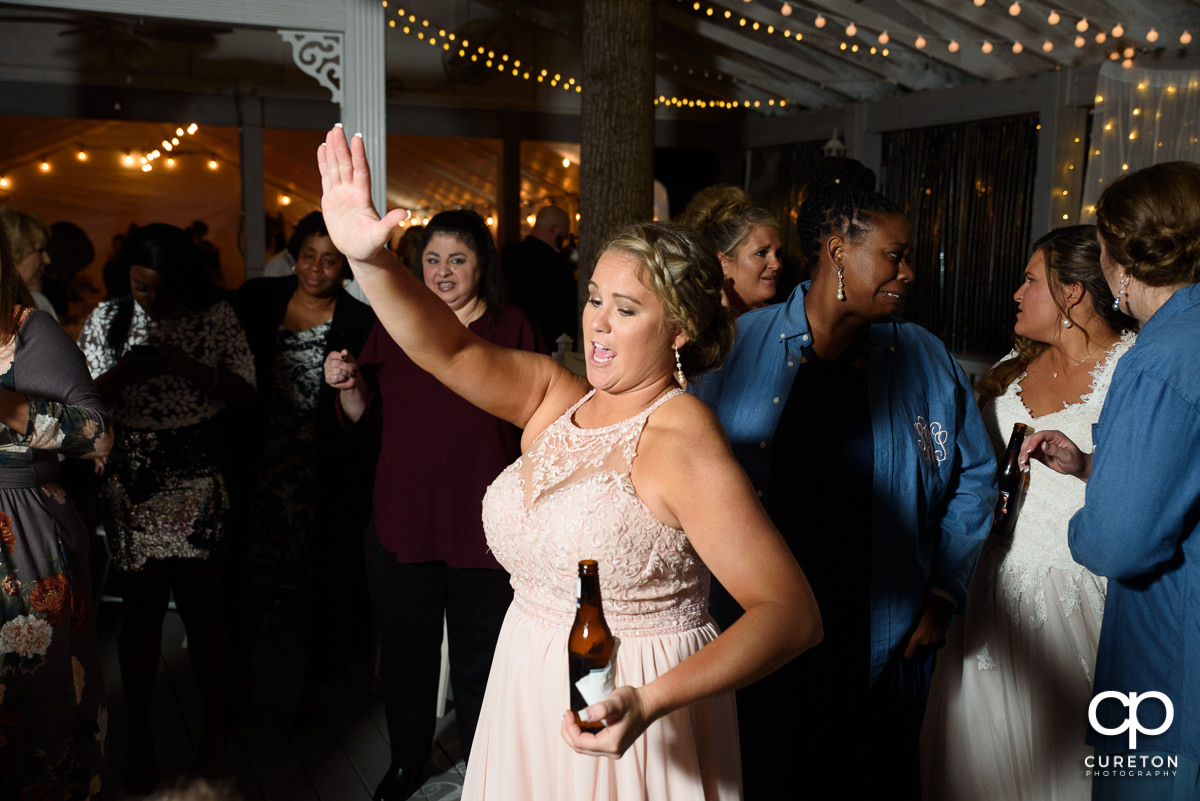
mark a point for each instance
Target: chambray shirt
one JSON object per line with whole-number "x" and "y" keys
{"x": 934, "y": 468}
{"x": 1138, "y": 526}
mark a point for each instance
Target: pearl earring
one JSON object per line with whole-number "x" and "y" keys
{"x": 1066, "y": 322}
{"x": 841, "y": 293}
{"x": 1120, "y": 292}
{"x": 679, "y": 376}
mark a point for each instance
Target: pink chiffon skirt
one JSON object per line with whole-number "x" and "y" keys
{"x": 519, "y": 753}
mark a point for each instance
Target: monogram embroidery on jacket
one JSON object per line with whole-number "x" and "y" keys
{"x": 931, "y": 440}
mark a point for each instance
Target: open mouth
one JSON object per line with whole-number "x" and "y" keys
{"x": 896, "y": 296}
{"x": 601, "y": 354}
{"x": 445, "y": 286}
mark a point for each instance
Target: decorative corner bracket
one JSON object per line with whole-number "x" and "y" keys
{"x": 319, "y": 55}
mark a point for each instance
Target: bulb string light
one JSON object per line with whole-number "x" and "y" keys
{"x": 823, "y": 21}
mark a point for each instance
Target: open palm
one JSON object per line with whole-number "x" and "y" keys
{"x": 354, "y": 226}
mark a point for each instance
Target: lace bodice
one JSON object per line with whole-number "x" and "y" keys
{"x": 1039, "y": 543}
{"x": 570, "y": 497}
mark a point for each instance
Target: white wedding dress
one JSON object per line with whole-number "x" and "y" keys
{"x": 1007, "y": 711}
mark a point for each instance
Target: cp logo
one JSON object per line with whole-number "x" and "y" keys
{"x": 1131, "y": 700}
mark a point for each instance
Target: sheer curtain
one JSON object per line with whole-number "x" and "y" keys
{"x": 1141, "y": 117}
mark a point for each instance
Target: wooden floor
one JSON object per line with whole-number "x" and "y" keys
{"x": 341, "y": 754}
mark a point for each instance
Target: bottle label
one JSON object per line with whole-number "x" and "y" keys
{"x": 592, "y": 683}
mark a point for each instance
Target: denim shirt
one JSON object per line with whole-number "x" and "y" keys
{"x": 1138, "y": 526}
{"x": 934, "y": 468}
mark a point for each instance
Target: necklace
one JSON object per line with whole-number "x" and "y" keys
{"x": 1071, "y": 363}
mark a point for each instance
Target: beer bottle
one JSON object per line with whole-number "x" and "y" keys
{"x": 1011, "y": 481}
{"x": 590, "y": 647}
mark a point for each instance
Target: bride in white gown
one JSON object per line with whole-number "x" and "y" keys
{"x": 1008, "y": 707}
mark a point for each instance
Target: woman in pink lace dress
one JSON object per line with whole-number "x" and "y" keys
{"x": 617, "y": 473}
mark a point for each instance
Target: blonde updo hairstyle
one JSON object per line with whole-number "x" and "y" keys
{"x": 1149, "y": 222}
{"x": 681, "y": 269}
{"x": 726, "y": 216}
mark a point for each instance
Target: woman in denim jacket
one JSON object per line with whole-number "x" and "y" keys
{"x": 862, "y": 438}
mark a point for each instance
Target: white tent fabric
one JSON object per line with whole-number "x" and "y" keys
{"x": 1142, "y": 117}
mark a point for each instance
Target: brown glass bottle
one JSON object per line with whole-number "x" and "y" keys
{"x": 590, "y": 645}
{"x": 1011, "y": 481}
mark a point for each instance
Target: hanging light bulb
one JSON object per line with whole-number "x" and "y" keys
{"x": 1080, "y": 41}
{"x": 81, "y": 155}
{"x": 1127, "y": 52}
{"x": 147, "y": 167}
{"x": 1014, "y": 9}
{"x": 170, "y": 162}
{"x": 1017, "y": 47}
{"x": 884, "y": 38}
{"x": 212, "y": 164}
{"x": 3, "y": 181}
{"x": 1152, "y": 35}
{"x": 953, "y": 46}
{"x": 1101, "y": 37}
{"x": 1185, "y": 38}
{"x": 191, "y": 129}
{"x": 1127, "y": 64}
{"x": 128, "y": 159}
{"x": 1081, "y": 26}
{"x": 786, "y": 10}
{"x": 986, "y": 47}
{"x": 45, "y": 165}
{"x": 920, "y": 43}
{"x": 1047, "y": 46}
{"x": 819, "y": 21}
{"x": 851, "y": 30}
{"x": 1053, "y": 18}
{"x": 979, "y": 3}
{"x": 1118, "y": 30}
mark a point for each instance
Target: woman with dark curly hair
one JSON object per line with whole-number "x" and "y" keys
{"x": 1140, "y": 524}
{"x": 430, "y": 561}
{"x": 861, "y": 436}
{"x": 621, "y": 467}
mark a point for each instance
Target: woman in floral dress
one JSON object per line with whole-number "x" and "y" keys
{"x": 53, "y": 715}
{"x": 169, "y": 358}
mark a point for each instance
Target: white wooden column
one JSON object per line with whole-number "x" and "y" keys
{"x": 363, "y": 88}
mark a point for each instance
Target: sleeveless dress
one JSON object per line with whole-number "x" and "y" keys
{"x": 570, "y": 497}
{"x": 1007, "y": 711}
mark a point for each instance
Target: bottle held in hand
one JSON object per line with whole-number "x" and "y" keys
{"x": 1012, "y": 482}
{"x": 590, "y": 647}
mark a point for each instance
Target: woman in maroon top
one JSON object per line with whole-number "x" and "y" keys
{"x": 438, "y": 455}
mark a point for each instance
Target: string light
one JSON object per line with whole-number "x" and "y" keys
{"x": 1118, "y": 31}
{"x": 819, "y": 21}
{"x": 1047, "y": 46}
{"x": 851, "y": 30}
{"x": 82, "y": 155}
{"x": 953, "y": 46}
{"x": 786, "y": 10}
{"x": 986, "y": 47}
{"x": 1053, "y": 19}
{"x": 45, "y": 165}
{"x": 1017, "y": 47}
{"x": 1185, "y": 38}
{"x": 920, "y": 43}
{"x": 1014, "y": 9}
{"x": 1152, "y": 36}
{"x": 212, "y": 164}
{"x": 1082, "y": 25}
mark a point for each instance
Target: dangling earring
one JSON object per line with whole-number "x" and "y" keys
{"x": 1120, "y": 292}
{"x": 679, "y": 376}
{"x": 1066, "y": 322}
{"x": 841, "y": 293}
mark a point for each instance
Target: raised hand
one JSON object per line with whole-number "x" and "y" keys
{"x": 354, "y": 225}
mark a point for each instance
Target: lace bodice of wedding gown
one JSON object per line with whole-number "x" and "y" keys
{"x": 570, "y": 497}
{"x": 1039, "y": 542}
